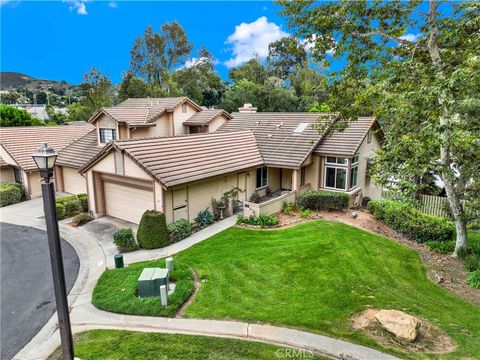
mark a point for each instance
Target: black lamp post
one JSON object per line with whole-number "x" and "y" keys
{"x": 45, "y": 158}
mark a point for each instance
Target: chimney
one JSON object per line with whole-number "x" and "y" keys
{"x": 247, "y": 108}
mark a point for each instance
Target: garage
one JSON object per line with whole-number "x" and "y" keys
{"x": 73, "y": 182}
{"x": 127, "y": 201}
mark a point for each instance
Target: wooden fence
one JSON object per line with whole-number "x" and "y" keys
{"x": 429, "y": 204}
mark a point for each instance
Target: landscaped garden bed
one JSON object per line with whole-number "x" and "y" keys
{"x": 315, "y": 276}
{"x": 121, "y": 344}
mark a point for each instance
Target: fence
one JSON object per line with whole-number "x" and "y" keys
{"x": 429, "y": 204}
{"x": 268, "y": 207}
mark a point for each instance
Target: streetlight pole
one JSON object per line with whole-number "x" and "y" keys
{"x": 45, "y": 158}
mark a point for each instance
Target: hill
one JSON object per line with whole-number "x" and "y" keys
{"x": 15, "y": 80}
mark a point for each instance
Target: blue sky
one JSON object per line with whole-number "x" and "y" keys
{"x": 61, "y": 40}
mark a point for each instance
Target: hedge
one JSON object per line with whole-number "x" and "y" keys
{"x": 60, "y": 208}
{"x": 152, "y": 231}
{"x": 83, "y": 201}
{"x": 412, "y": 223}
{"x": 323, "y": 200}
{"x": 65, "y": 199}
{"x": 10, "y": 193}
{"x": 72, "y": 208}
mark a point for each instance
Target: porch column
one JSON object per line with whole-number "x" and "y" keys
{"x": 91, "y": 193}
{"x": 296, "y": 180}
{"x": 59, "y": 186}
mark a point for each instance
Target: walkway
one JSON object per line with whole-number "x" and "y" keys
{"x": 85, "y": 316}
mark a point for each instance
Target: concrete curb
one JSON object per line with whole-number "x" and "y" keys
{"x": 85, "y": 316}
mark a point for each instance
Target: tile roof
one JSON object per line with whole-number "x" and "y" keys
{"x": 80, "y": 152}
{"x": 346, "y": 142}
{"x": 3, "y": 162}
{"x": 21, "y": 142}
{"x": 142, "y": 111}
{"x": 182, "y": 159}
{"x": 205, "y": 116}
{"x": 275, "y": 135}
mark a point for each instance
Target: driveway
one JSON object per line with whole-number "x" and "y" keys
{"x": 27, "y": 296}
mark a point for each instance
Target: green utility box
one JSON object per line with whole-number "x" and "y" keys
{"x": 150, "y": 280}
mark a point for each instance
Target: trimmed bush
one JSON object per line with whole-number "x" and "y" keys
{"x": 124, "y": 240}
{"x": 65, "y": 199}
{"x": 80, "y": 219}
{"x": 179, "y": 230}
{"x": 204, "y": 218}
{"x": 263, "y": 220}
{"x": 72, "y": 208}
{"x": 60, "y": 208}
{"x": 323, "y": 200}
{"x": 474, "y": 279}
{"x": 152, "y": 232}
{"x": 10, "y": 193}
{"x": 441, "y": 247}
{"x": 83, "y": 201}
{"x": 412, "y": 223}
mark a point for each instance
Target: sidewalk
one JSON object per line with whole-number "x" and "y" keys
{"x": 85, "y": 316}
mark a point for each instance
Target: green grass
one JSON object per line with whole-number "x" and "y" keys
{"x": 127, "y": 345}
{"x": 315, "y": 277}
{"x": 116, "y": 290}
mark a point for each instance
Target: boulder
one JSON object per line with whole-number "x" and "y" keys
{"x": 402, "y": 325}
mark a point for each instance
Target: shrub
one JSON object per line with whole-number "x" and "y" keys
{"x": 255, "y": 197}
{"x": 124, "y": 240}
{"x": 81, "y": 218}
{"x": 10, "y": 193}
{"x": 289, "y": 207}
{"x": 83, "y": 201}
{"x": 323, "y": 200}
{"x": 179, "y": 230}
{"x": 263, "y": 220}
{"x": 412, "y": 223}
{"x": 65, "y": 199}
{"x": 204, "y": 218}
{"x": 72, "y": 208}
{"x": 474, "y": 279}
{"x": 441, "y": 247}
{"x": 60, "y": 209}
{"x": 152, "y": 231}
{"x": 305, "y": 213}
{"x": 472, "y": 262}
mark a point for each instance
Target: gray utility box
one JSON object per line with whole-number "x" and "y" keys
{"x": 150, "y": 280}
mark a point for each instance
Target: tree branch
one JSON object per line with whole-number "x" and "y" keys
{"x": 385, "y": 35}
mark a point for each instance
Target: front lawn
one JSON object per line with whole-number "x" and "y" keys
{"x": 123, "y": 345}
{"x": 316, "y": 276}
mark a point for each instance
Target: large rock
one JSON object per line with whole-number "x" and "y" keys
{"x": 402, "y": 325}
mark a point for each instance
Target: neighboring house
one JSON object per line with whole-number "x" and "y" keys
{"x": 17, "y": 145}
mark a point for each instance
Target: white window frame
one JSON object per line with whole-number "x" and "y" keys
{"x": 263, "y": 186}
{"x": 113, "y": 134}
{"x": 336, "y": 168}
{"x": 336, "y": 160}
{"x": 354, "y": 165}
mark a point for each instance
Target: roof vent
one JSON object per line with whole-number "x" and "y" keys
{"x": 269, "y": 136}
{"x": 247, "y": 108}
{"x": 301, "y": 128}
{"x": 257, "y": 123}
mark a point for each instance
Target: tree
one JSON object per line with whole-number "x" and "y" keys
{"x": 155, "y": 55}
{"x": 285, "y": 56}
{"x": 41, "y": 97}
{"x": 10, "y": 97}
{"x": 10, "y": 116}
{"x": 132, "y": 87}
{"x": 253, "y": 70}
{"x": 426, "y": 85}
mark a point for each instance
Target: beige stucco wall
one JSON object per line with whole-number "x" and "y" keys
{"x": 312, "y": 172}
{"x": 6, "y": 174}
{"x": 179, "y": 117}
{"x": 163, "y": 128}
{"x": 216, "y": 123}
{"x": 366, "y": 151}
{"x": 73, "y": 182}
{"x": 35, "y": 186}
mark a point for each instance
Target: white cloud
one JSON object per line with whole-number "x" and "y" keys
{"x": 250, "y": 39}
{"x": 197, "y": 61}
{"x": 78, "y": 6}
{"x": 410, "y": 37}
{"x": 112, "y": 4}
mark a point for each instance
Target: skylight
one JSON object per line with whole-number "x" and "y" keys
{"x": 301, "y": 127}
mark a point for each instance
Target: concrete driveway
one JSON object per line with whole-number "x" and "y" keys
{"x": 27, "y": 297}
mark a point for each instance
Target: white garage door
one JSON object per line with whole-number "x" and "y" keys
{"x": 126, "y": 202}
{"x": 73, "y": 182}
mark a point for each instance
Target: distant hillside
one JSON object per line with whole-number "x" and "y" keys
{"x": 15, "y": 80}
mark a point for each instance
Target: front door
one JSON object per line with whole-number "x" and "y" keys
{"x": 180, "y": 204}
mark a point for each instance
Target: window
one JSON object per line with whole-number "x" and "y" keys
{"x": 262, "y": 177}
{"x": 302, "y": 176}
{"x": 355, "y": 159}
{"x": 336, "y": 160}
{"x": 335, "y": 178}
{"x": 369, "y": 136}
{"x": 18, "y": 175}
{"x": 107, "y": 135}
{"x": 184, "y": 108}
{"x": 354, "y": 172}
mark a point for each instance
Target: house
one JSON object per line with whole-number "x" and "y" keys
{"x": 162, "y": 159}
{"x": 132, "y": 119}
{"x": 17, "y": 145}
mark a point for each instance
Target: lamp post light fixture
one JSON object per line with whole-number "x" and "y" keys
{"x": 45, "y": 158}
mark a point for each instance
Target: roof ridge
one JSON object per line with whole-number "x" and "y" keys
{"x": 182, "y": 136}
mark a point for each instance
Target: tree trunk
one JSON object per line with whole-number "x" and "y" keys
{"x": 448, "y": 174}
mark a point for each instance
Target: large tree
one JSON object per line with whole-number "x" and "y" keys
{"x": 286, "y": 56}
{"x": 426, "y": 84}
{"x": 10, "y": 116}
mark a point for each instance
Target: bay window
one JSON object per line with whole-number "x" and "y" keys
{"x": 354, "y": 172}
{"x": 337, "y": 172}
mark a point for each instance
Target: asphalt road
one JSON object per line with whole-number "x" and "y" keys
{"x": 27, "y": 297}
